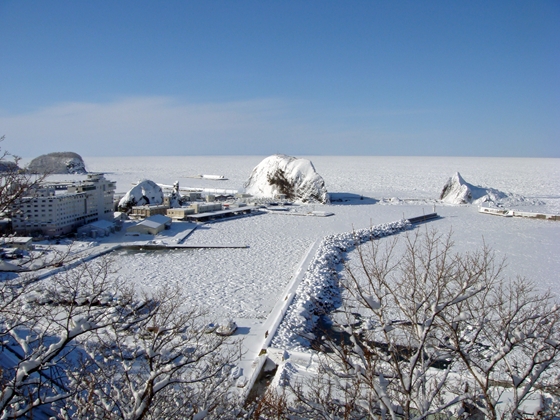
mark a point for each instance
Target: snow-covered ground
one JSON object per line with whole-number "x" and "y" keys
{"x": 246, "y": 284}
{"x": 277, "y": 242}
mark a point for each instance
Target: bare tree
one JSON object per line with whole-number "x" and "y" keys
{"x": 40, "y": 324}
{"x": 165, "y": 366}
{"x": 84, "y": 345}
{"x": 430, "y": 333}
{"x": 15, "y": 183}
{"x": 508, "y": 340}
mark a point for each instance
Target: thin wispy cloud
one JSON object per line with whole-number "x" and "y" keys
{"x": 142, "y": 125}
{"x": 161, "y": 125}
{"x": 164, "y": 125}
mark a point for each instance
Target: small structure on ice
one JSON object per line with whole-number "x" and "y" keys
{"x": 295, "y": 179}
{"x": 227, "y": 329}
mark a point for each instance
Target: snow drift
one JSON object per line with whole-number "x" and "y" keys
{"x": 458, "y": 191}
{"x": 145, "y": 192}
{"x": 293, "y": 177}
{"x": 58, "y": 163}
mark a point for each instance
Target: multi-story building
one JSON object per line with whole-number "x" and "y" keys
{"x": 58, "y": 209}
{"x": 147, "y": 211}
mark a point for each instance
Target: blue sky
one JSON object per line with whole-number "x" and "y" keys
{"x": 105, "y": 78}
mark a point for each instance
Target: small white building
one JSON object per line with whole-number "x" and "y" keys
{"x": 19, "y": 242}
{"x": 101, "y": 228}
{"x": 151, "y": 225}
{"x": 147, "y": 211}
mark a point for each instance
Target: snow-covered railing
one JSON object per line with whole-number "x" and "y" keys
{"x": 318, "y": 292}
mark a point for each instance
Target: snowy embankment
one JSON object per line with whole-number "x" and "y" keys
{"x": 318, "y": 292}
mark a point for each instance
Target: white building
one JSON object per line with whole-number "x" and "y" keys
{"x": 19, "y": 242}
{"x": 60, "y": 209}
{"x": 95, "y": 229}
{"x": 151, "y": 225}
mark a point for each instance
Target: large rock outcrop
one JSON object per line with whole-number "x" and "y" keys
{"x": 58, "y": 163}
{"x": 145, "y": 192}
{"x": 457, "y": 191}
{"x": 293, "y": 177}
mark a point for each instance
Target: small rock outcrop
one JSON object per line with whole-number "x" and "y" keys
{"x": 457, "y": 191}
{"x": 58, "y": 163}
{"x": 295, "y": 178}
{"x": 175, "y": 198}
{"x": 145, "y": 192}
{"x": 8, "y": 166}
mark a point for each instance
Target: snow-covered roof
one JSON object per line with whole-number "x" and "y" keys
{"x": 158, "y": 218}
{"x": 101, "y": 224}
{"x": 17, "y": 239}
{"x": 6, "y": 266}
{"x": 155, "y": 221}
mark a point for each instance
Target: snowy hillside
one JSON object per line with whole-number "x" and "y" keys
{"x": 293, "y": 177}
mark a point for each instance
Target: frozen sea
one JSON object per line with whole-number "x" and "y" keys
{"x": 249, "y": 284}
{"x": 246, "y": 283}
{"x": 376, "y": 176}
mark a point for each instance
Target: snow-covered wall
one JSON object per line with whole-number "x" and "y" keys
{"x": 318, "y": 292}
{"x": 293, "y": 177}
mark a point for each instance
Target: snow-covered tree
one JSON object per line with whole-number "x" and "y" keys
{"x": 82, "y": 344}
{"x": 165, "y": 366}
{"x": 429, "y": 333}
{"x": 40, "y": 323}
{"x": 15, "y": 183}
{"x": 507, "y": 340}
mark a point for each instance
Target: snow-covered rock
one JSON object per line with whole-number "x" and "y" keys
{"x": 58, "y": 163}
{"x": 458, "y": 191}
{"x": 175, "y": 198}
{"x": 295, "y": 178}
{"x": 145, "y": 192}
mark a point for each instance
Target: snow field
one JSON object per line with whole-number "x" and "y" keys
{"x": 248, "y": 282}
{"x": 245, "y": 284}
{"x": 239, "y": 283}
